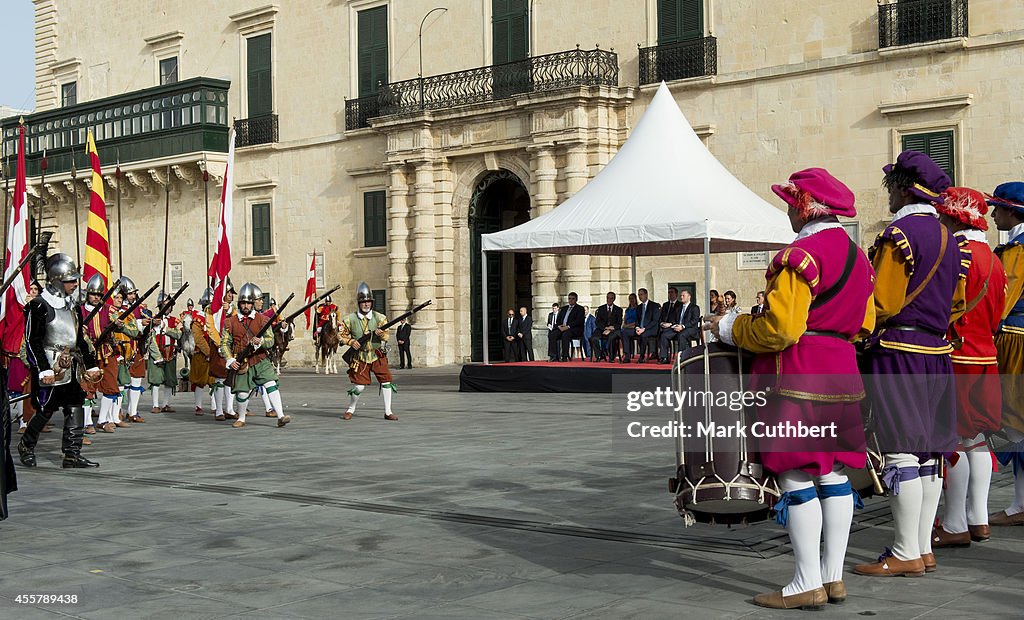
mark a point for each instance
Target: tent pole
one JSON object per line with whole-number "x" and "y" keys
{"x": 707, "y": 275}
{"x": 633, "y": 257}
{"x": 483, "y": 305}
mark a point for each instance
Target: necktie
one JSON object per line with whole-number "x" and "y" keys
{"x": 568, "y": 310}
{"x": 643, "y": 311}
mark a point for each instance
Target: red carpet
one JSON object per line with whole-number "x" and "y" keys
{"x": 575, "y": 376}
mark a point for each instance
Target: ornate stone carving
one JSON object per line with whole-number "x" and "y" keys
{"x": 189, "y": 173}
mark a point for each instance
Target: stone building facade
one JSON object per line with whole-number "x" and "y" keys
{"x": 391, "y": 179}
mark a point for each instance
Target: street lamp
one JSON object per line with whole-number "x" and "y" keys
{"x": 422, "y": 21}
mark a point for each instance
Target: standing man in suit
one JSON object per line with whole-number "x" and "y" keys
{"x": 509, "y": 329}
{"x": 404, "y": 353}
{"x": 607, "y": 321}
{"x": 685, "y": 328}
{"x": 646, "y": 326}
{"x": 568, "y": 327}
{"x": 758, "y": 308}
{"x": 552, "y": 316}
{"x": 524, "y": 337}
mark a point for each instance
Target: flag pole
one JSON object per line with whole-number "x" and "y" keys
{"x": 74, "y": 201}
{"x": 6, "y": 172}
{"x": 167, "y": 221}
{"x": 206, "y": 202}
{"x": 42, "y": 198}
{"x": 117, "y": 175}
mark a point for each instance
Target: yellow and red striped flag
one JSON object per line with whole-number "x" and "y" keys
{"x": 97, "y": 240}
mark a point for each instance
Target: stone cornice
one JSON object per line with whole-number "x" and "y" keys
{"x": 921, "y": 105}
{"x": 66, "y": 66}
{"x": 255, "y": 19}
{"x": 166, "y": 39}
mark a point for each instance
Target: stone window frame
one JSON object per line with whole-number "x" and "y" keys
{"x": 255, "y": 23}
{"x": 957, "y": 127}
{"x": 321, "y": 268}
{"x": 261, "y": 192}
{"x": 164, "y": 46}
{"x": 652, "y": 21}
{"x": 354, "y": 8}
{"x": 64, "y": 72}
{"x": 386, "y": 243}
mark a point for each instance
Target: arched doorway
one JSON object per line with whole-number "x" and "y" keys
{"x": 500, "y": 200}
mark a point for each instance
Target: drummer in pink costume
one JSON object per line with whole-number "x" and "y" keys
{"x": 819, "y": 300}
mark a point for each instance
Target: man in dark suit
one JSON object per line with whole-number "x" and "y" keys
{"x": 568, "y": 327}
{"x": 524, "y": 337}
{"x": 669, "y": 316}
{"x": 647, "y": 313}
{"x": 607, "y": 321}
{"x": 509, "y": 329}
{"x": 759, "y": 307}
{"x": 685, "y": 328}
{"x": 404, "y": 331}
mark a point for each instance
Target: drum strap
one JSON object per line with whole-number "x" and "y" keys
{"x": 832, "y": 291}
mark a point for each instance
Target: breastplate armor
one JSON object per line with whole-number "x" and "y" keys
{"x": 61, "y": 334}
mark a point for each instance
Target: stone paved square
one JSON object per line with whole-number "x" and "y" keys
{"x": 471, "y": 506}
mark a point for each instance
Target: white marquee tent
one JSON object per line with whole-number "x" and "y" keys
{"x": 663, "y": 193}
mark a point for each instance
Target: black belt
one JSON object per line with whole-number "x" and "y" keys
{"x": 914, "y": 328}
{"x": 815, "y": 332}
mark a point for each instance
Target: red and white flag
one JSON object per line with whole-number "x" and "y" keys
{"x": 310, "y": 287}
{"x": 220, "y": 267}
{"x": 12, "y": 317}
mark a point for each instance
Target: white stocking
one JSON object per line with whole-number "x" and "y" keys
{"x": 156, "y": 396}
{"x": 958, "y": 477}
{"x": 931, "y": 489}
{"x": 272, "y": 397}
{"x": 906, "y": 511}
{"x": 837, "y": 515}
{"x": 134, "y": 394}
{"x": 225, "y": 398}
{"x": 804, "y": 527}
{"x": 267, "y": 404}
{"x": 87, "y": 410}
{"x": 240, "y": 404}
{"x": 199, "y": 398}
{"x": 387, "y": 392}
{"x": 353, "y": 397}
{"x": 165, "y": 396}
{"x": 215, "y": 401}
{"x": 19, "y": 409}
{"x": 980, "y": 459}
{"x": 105, "y": 406}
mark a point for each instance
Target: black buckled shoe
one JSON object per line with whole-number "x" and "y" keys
{"x": 27, "y": 455}
{"x": 77, "y": 461}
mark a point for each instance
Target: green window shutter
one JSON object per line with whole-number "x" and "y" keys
{"x": 372, "y": 52}
{"x": 380, "y": 300}
{"x": 680, "y": 20}
{"x": 258, "y": 72}
{"x": 375, "y": 223}
{"x": 510, "y": 30}
{"x": 261, "y": 229}
{"x": 936, "y": 144}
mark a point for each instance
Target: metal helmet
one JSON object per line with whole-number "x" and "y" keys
{"x": 97, "y": 285}
{"x": 127, "y": 286}
{"x": 326, "y": 300}
{"x": 363, "y": 293}
{"x": 273, "y": 302}
{"x": 206, "y": 297}
{"x": 229, "y": 287}
{"x": 161, "y": 298}
{"x": 60, "y": 268}
{"x": 190, "y": 303}
{"x": 250, "y": 293}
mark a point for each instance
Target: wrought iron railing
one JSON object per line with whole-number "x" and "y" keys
{"x": 257, "y": 130}
{"x": 576, "y": 67}
{"x": 677, "y": 61}
{"x": 906, "y": 22}
{"x": 154, "y": 123}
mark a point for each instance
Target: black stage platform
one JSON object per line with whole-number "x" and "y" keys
{"x": 563, "y": 377}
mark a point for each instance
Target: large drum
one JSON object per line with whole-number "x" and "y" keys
{"x": 718, "y": 479}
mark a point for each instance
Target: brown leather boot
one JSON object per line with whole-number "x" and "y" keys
{"x": 930, "y": 565}
{"x": 941, "y": 539}
{"x": 812, "y": 599}
{"x": 836, "y": 591}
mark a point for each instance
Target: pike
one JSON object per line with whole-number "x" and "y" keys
{"x": 350, "y": 355}
{"x": 291, "y": 317}
{"x": 242, "y": 359}
{"x": 124, "y": 315}
{"x": 21, "y": 265}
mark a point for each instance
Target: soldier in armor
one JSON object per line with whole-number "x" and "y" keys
{"x": 57, "y": 352}
{"x": 162, "y": 356}
{"x": 199, "y": 365}
{"x": 106, "y": 391}
{"x": 134, "y": 351}
{"x": 238, "y": 336}
{"x": 368, "y": 358}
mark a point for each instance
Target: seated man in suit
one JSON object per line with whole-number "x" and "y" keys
{"x": 759, "y": 307}
{"x": 509, "y": 329}
{"x": 568, "y": 327}
{"x": 607, "y": 321}
{"x": 685, "y": 328}
{"x": 667, "y": 317}
{"x": 646, "y": 327}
